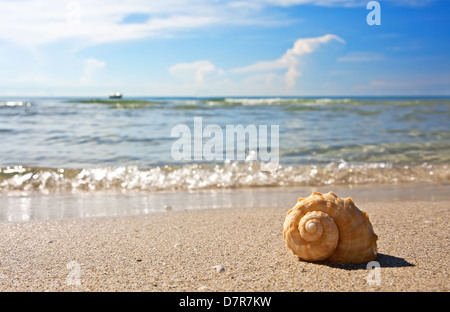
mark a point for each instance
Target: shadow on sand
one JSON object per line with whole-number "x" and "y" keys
{"x": 385, "y": 261}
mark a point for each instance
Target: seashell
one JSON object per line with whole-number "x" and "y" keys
{"x": 327, "y": 227}
{"x": 219, "y": 268}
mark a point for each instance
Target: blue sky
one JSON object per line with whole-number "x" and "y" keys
{"x": 223, "y": 48}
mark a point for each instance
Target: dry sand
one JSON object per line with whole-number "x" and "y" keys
{"x": 219, "y": 250}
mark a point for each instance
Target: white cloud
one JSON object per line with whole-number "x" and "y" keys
{"x": 195, "y": 72}
{"x": 91, "y": 66}
{"x": 290, "y": 59}
{"x": 35, "y": 22}
{"x": 261, "y": 74}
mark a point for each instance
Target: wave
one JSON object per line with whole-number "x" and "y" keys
{"x": 318, "y": 103}
{"x": 397, "y": 153}
{"x": 277, "y": 101}
{"x": 290, "y": 103}
{"x": 14, "y": 104}
{"x": 231, "y": 175}
{"x": 217, "y": 102}
{"x": 123, "y": 103}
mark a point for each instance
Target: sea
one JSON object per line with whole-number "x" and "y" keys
{"x": 71, "y": 157}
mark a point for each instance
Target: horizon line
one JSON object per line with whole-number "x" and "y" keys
{"x": 3, "y": 97}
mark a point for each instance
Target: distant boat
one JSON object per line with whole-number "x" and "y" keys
{"x": 115, "y": 95}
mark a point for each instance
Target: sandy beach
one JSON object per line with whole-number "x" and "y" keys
{"x": 156, "y": 147}
{"x": 232, "y": 249}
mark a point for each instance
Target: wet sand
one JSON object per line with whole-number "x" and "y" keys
{"x": 224, "y": 249}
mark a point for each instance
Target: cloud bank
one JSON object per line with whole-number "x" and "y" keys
{"x": 291, "y": 59}
{"x": 195, "y": 71}
{"x": 289, "y": 62}
{"x": 35, "y": 22}
{"x": 91, "y": 65}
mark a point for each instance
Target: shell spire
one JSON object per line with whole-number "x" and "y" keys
{"x": 327, "y": 227}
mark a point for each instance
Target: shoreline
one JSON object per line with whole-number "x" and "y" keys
{"x": 235, "y": 249}
{"x": 35, "y": 206}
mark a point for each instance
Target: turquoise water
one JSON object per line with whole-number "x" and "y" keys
{"x": 89, "y": 144}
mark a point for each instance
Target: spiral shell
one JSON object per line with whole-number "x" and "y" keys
{"x": 327, "y": 227}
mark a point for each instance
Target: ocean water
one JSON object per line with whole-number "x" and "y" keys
{"x": 54, "y": 145}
